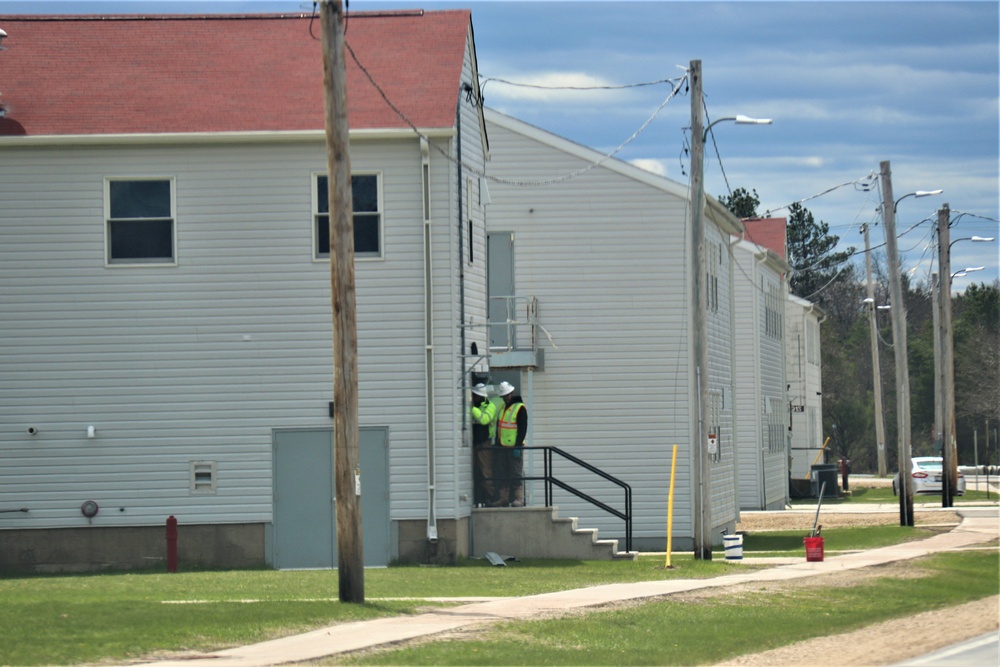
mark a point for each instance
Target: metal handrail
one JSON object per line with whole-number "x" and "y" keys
{"x": 552, "y": 481}
{"x": 520, "y": 318}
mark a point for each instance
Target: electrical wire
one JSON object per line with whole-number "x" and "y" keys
{"x": 504, "y": 181}
{"x": 708, "y": 124}
{"x": 864, "y": 187}
{"x": 484, "y": 80}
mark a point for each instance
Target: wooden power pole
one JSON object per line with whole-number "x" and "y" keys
{"x": 899, "y": 344}
{"x": 876, "y": 364}
{"x": 702, "y": 477}
{"x": 949, "y": 450}
{"x": 350, "y": 556}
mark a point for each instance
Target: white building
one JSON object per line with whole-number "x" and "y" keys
{"x": 604, "y": 257}
{"x": 166, "y": 343}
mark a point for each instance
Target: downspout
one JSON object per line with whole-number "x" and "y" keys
{"x": 425, "y": 178}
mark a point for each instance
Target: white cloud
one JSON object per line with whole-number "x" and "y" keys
{"x": 657, "y": 167}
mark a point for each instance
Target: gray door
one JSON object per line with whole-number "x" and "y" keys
{"x": 500, "y": 283}
{"x": 304, "y": 517}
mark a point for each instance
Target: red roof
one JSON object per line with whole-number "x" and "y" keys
{"x": 64, "y": 75}
{"x": 768, "y": 233}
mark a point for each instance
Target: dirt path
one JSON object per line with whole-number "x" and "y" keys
{"x": 886, "y": 643}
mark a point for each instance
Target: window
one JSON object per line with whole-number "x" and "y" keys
{"x": 774, "y": 324}
{"x": 713, "y": 259}
{"x": 202, "y": 477}
{"x": 366, "y": 194}
{"x": 140, "y": 221}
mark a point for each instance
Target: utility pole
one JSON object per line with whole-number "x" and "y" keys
{"x": 949, "y": 449}
{"x": 899, "y": 345}
{"x": 350, "y": 557}
{"x": 702, "y": 477}
{"x": 876, "y": 364}
{"x": 938, "y": 377}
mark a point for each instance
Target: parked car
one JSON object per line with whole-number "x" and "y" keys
{"x": 927, "y": 473}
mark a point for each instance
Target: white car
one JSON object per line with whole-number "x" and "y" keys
{"x": 927, "y": 473}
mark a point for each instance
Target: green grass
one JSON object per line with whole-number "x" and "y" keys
{"x": 59, "y": 620}
{"x": 712, "y": 629}
{"x": 789, "y": 542}
{"x": 884, "y": 495}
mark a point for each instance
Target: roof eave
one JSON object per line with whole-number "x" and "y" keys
{"x": 219, "y": 137}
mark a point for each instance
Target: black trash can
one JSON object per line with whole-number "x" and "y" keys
{"x": 824, "y": 472}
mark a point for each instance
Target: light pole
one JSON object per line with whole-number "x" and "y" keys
{"x": 701, "y": 477}
{"x": 876, "y": 364}
{"x": 946, "y": 342}
{"x": 899, "y": 347}
{"x": 873, "y": 335}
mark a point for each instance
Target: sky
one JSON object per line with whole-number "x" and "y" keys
{"x": 847, "y": 84}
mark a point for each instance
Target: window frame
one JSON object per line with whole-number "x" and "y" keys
{"x": 133, "y": 262}
{"x": 324, "y": 256}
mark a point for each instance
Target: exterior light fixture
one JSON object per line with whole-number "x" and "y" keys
{"x": 918, "y": 193}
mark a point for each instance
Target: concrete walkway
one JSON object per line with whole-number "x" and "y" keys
{"x": 978, "y": 526}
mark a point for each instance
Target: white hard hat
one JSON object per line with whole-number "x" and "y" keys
{"x": 480, "y": 390}
{"x": 506, "y": 388}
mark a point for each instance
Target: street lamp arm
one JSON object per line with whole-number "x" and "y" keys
{"x": 974, "y": 239}
{"x": 918, "y": 193}
{"x": 739, "y": 119}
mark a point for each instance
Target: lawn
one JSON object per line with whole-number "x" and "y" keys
{"x": 709, "y": 630}
{"x": 60, "y": 620}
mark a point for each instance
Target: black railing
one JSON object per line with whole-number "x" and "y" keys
{"x": 550, "y": 479}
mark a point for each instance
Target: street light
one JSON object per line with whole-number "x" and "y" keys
{"x": 918, "y": 193}
{"x": 899, "y": 341}
{"x": 905, "y": 505}
{"x": 945, "y": 341}
{"x": 967, "y": 271}
{"x": 739, "y": 119}
{"x": 701, "y": 477}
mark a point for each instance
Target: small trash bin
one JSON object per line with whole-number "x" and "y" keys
{"x": 734, "y": 546}
{"x": 824, "y": 472}
{"x": 814, "y": 548}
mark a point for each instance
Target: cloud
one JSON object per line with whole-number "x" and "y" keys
{"x": 555, "y": 88}
{"x": 657, "y": 167}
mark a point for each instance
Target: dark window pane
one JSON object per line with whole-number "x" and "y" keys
{"x": 140, "y": 199}
{"x": 366, "y": 234}
{"x": 147, "y": 239}
{"x": 322, "y": 235}
{"x": 364, "y": 192}
{"x": 322, "y": 194}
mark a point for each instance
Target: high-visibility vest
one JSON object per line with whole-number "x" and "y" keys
{"x": 507, "y": 424}
{"x": 484, "y": 416}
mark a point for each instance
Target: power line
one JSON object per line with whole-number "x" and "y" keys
{"x": 481, "y": 173}
{"x": 488, "y": 79}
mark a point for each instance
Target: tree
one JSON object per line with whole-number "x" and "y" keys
{"x": 810, "y": 253}
{"x": 741, "y": 203}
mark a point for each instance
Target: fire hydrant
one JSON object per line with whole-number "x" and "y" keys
{"x": 171, "y": 544}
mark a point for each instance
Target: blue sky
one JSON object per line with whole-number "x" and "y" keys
{"x": 848, "y": 84}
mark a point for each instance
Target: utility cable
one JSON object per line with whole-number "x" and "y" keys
{"x": 504, "y": 181}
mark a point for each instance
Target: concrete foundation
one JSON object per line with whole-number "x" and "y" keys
{"x": 452, "y": 542}
{"x": 94, "y": 549}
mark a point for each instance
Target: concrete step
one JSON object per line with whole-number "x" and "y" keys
{"x": 538, "y": 532}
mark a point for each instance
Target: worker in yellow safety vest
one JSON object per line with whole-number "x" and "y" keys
{"x": 484, "y": 424}
{"x": 512, "y": 428}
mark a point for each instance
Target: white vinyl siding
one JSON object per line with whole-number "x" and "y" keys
{"x": 208, "y": 357}
{"x": 605, "y": 255}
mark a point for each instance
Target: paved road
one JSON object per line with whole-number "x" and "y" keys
{"x": 983, "y": 651}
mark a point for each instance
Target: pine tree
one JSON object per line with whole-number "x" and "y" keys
{"x": 810, "y": 254}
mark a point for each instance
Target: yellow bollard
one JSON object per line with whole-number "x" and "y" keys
{"x": 670, "y": 506}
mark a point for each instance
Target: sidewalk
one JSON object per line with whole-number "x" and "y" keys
{"x": 978, "y": 525}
